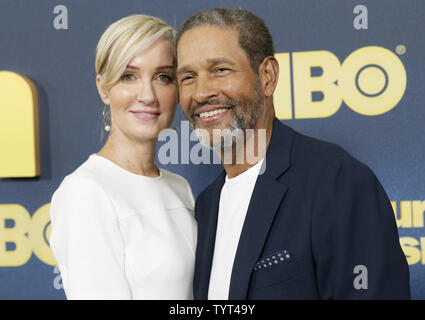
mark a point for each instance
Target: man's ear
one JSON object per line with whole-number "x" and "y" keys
{"x": 102, "y": 94}
{"x": 268, "y": 73}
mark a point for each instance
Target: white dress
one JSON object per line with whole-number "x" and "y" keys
{"x": 119, "y": 235}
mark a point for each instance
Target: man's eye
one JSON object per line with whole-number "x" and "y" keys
{"x": 186, "y": 79}
{"x": 219, "y": 70}
{"x": 128, "y": 77}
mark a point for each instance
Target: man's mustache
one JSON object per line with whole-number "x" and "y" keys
{"x": 213, "y": 101}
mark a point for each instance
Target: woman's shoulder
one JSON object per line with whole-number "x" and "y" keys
{"x": 175, "y": 179}
{"x": 85, "y": 179}
{"x": 81, "y": 195}
{"x": 180, "y": 185}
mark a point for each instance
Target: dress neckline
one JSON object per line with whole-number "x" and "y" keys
{"x": 125, "y": 171}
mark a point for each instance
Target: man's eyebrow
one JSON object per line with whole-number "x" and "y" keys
{"x": 212, "y": 61}
{"x": 183, "y": 70}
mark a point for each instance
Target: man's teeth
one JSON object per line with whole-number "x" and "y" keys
{"x": 211, "y": 113}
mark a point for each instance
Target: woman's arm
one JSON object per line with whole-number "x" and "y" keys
{"x": 87, "y": 242}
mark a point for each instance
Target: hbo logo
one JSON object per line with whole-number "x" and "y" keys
{"x": 21, "y": 235}
{"x": 371, "y": 81}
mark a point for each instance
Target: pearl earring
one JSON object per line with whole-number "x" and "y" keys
{"x": 106, "y": 116}
{"x": 106, "y": 123}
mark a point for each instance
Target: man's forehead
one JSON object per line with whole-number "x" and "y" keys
{"x": 208, "y": 29}
{"x": 208, "y": 44}
{"x": 207, "y": 35}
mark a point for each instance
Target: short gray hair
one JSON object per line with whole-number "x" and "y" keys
{"x": 254, "y": 36}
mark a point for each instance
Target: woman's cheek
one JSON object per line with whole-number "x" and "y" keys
{"x": 123, "y": 96}
{"x": 168, "y": 99}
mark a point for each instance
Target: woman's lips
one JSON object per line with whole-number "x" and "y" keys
{"x": 146, "y": 115}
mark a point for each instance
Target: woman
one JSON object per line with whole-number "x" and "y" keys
{"x": 121, "y": 227}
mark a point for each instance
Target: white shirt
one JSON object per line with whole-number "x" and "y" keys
{"x": 119, "y": 235}
{"x": 234, "y": 201}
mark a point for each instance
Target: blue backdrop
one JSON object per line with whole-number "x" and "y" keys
{"x": 61, "y": 65}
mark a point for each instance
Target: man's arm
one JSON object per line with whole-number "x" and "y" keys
{"x": 355, "y": 240}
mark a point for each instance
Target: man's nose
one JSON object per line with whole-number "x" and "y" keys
{"x": 205, "y": 89}
{"x": 146, "y": 93}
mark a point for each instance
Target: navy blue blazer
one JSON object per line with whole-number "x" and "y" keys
{"x": 319, "y": 226}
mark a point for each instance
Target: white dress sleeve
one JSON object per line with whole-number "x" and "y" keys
{"x": 190, "y": 196}
{"x": 87, "y": 242}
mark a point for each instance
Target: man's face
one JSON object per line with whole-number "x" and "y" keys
{"x": 218, "y": 88}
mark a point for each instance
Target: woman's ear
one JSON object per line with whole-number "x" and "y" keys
{"x": 102, "y": 94}
{"x": 268, "y": 73}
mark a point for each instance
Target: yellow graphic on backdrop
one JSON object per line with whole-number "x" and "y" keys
{"x": 371, "y": 81}
{"x": 410, "y": 214}
{"x": 21, "y": 235}
{"x": 413, "y": 249}
{"x": 19, "y": 134}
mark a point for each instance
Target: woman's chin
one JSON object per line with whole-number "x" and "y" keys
{"x": 147, "y": 135}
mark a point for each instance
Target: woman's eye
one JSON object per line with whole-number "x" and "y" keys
{"x": 128, "y": 77}
{"x": 165, "y": 77}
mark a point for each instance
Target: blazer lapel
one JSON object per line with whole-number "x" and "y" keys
{"x": 206, "y": 240}
{"x": 258, "y": 220}
{"x": 265, "y": 201}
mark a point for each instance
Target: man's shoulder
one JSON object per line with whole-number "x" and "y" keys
{"x": 310, "y": 148}
{"x": 316, "y": 153}
{"x": 312, "y": 156}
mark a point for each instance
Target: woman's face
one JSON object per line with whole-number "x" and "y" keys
{"x": 143, "y": 101}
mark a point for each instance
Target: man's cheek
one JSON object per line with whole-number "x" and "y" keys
{"x": 185, "y": 105}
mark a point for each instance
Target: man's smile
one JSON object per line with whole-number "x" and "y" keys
{"x": 210, "y": 113}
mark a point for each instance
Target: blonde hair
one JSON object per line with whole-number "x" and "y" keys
{"x": 123, "y": 40}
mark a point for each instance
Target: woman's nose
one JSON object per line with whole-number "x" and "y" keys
{"x": 146, "y": 93}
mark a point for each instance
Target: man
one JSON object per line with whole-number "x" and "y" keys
{"x": 316, "y": 224}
